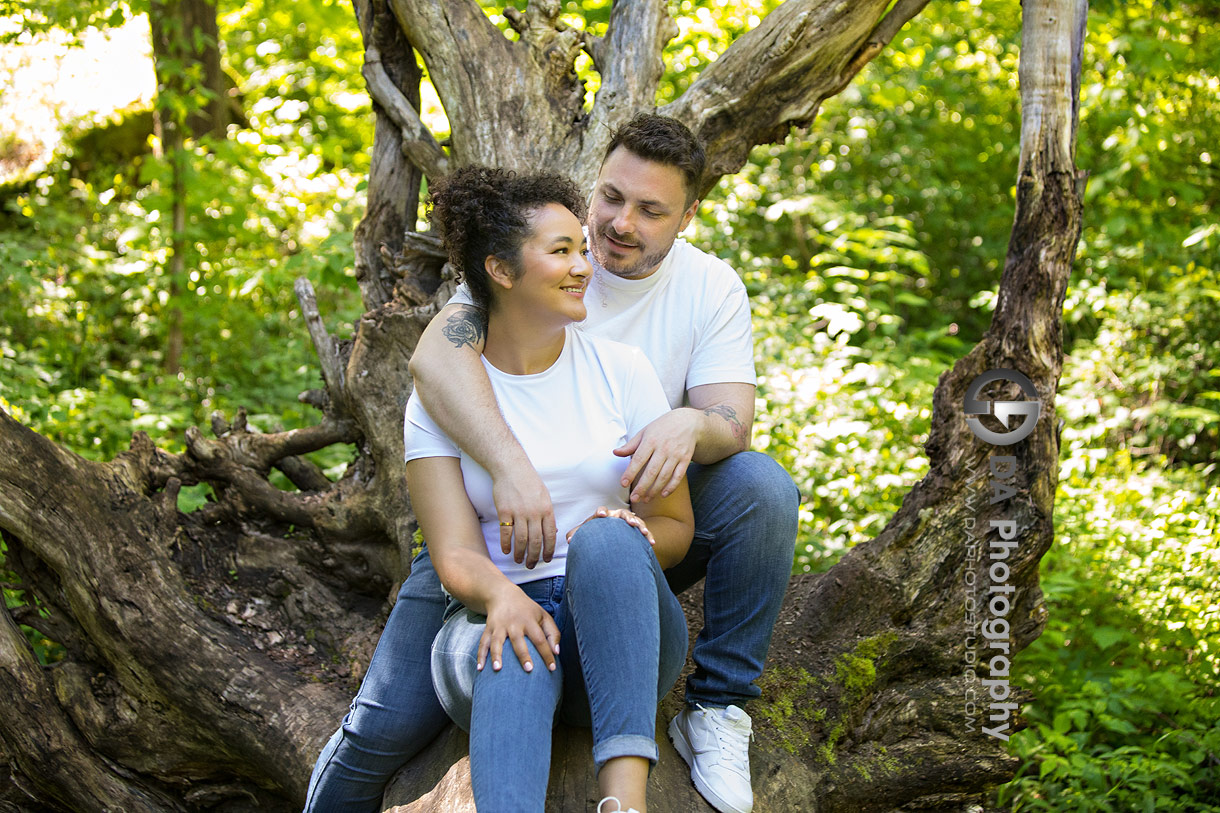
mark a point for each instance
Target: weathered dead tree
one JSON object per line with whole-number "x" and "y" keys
{"x": 209, "y": 655}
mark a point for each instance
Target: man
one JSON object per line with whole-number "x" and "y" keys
{"x": 689, "y": 313}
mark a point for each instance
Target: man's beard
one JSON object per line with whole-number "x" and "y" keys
{"x": 640, "y": 268}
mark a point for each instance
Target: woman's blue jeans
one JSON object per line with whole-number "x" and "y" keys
{"x": 745, "y": 534}
{"x": 622, "y": 645}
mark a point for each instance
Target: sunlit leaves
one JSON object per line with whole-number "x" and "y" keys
{"x": 299, "y": 66}
{"x": 20, "y": 19}
{"x": 84, "y": 311}
{"x": 1123, "y": 679}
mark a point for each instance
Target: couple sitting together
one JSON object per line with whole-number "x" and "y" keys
{"x": 577, "y": 455}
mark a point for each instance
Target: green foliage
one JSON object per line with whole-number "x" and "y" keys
{"x": 85, "y": 296}
{"x": 900, "y": 200}
{"x": 20, "y": 19}
{"x": 704, "y": 32}
{"x": 848, "y": 426}
{"x": 1124, "y": 678}
{"x": 1145, "y": 302}
{"x": 1148, "y": 109}
{"x": 300, "y": 67}
{"x": 1151, "y": 364}
{"x": 44, "y": 649}
{"x": 83, "y": 311}
{"x": 872, "y": 249}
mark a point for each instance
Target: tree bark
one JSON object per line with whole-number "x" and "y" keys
{"x": 209, "y": 655}
{"x": 186, "y": 58}
{"x": 393, "y": 76}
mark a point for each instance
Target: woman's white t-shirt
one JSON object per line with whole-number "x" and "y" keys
{"x": 568, "y": 419}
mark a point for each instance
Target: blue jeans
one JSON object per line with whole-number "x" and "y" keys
{"x": 622, "y": 645}
{"x": 745, "y": 536}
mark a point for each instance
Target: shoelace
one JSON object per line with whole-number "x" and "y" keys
{"x": 734, "y": 745}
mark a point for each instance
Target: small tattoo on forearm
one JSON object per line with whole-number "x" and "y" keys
{"x": 730, "y": 415}
{"x": 466, "y": 328}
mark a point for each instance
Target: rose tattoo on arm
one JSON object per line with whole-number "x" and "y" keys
{"x": 466, "y": 328}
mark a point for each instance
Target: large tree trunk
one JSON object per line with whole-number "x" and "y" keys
{"x": 208, "y": 655}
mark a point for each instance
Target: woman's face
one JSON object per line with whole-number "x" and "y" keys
{"x": 554, "y": 269}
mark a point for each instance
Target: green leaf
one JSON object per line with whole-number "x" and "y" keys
{"x": 1106, "y": 637}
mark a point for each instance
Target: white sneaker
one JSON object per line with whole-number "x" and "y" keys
{"x": 617, "y": 804}
{"x": 716, "y": 745}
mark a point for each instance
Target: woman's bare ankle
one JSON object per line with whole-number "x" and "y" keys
{"x": 626, "y": 779}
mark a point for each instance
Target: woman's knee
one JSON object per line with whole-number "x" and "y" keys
{"x": 538, "y": 686}
{"x": 604, "y": 541}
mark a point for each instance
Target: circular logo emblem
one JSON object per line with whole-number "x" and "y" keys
{"x": 1029, "y": 411}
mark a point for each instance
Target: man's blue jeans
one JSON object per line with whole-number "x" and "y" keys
{"x": 746, "y": 510}
{"x": 622, "y": 646}
{"x": 745, "y": 535}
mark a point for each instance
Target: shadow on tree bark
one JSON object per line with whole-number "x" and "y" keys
{"x": 209, "y": 655}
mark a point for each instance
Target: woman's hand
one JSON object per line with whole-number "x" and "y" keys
{"x": 622, "y": 513}
{"x": 514, "y": 616}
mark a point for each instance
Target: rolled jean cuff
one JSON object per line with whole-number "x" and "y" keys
{"x": 625, "y": 745}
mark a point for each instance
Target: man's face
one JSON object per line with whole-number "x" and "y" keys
{"x": 638, "y": 209}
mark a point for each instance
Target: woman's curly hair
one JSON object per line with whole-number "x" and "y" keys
{"x": 484, "y": 212}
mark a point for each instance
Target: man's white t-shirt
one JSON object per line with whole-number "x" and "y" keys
{"x": 568, "y": 419}
{"x": 691, "y": 317}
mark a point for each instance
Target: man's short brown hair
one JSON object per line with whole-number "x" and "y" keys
{"x": 666, "y": 141}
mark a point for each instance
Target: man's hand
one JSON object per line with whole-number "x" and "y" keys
{"x": 527, "y": 518}
{"x": 514, "y": 616}
{"x": 629, "y": 517}
{"x": 660, "y": 454}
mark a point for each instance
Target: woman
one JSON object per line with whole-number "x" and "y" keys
{"x": 570, "y": 400}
